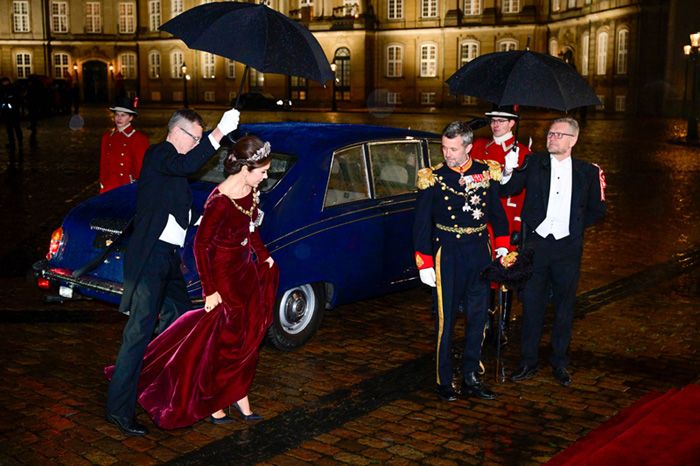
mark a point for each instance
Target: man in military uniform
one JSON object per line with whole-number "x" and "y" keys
{"x": 122, "y": 148}
{"x": 456, "y": 201}
{"x": 501, "y": 121}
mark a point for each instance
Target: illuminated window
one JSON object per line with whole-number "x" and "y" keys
{"x": 176, "y": 7}
{"x": 59, "y": 17}
{"x": 429, "y": 8}
{"x": 394, "y": 61}
{"x": 585, "y": 43}
{"x": 602, "y": 53}
{"x": 395, "y": 9}
{"x": 61, "y": 65}
{"x": 230, "y": 69}
{"x": 176, "y": 60}
{"x": 93, "y": 17}
{"x": 208, "y": 65}
{"x": 23, "y": 63}
{"x": 428, "y": 61}
{"x": 511, "y": 6}
{"x": 127, "y": 65}
{"x": 127, "y": 18}
{"x": 154, "y": 64}
{"x": 623, "y": 36}
{"x": 472, "y": 7}
{"x": 154, "y": 16}
{"x": 507, "y": 45}
{"x": 20, "y": 16}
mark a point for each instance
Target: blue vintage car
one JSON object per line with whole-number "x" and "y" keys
{"x": 339, "y": 206}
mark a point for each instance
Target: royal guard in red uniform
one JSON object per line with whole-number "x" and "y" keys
{"x": 502, "y": 120}
{"x": 122, "y": 147}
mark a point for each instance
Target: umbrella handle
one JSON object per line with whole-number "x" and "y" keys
{"x": 240, "y": 88}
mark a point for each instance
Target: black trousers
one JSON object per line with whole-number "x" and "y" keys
{"x": 556, "y": 270}
{"x": 160, "y": 295}
{"x": 458, "y": 267}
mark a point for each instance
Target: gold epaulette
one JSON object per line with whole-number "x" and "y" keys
{"x": 494, "y": 169}
{"x": 426, "y": 177}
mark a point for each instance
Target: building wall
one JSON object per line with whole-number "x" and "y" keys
{"x": 99, "y": 60}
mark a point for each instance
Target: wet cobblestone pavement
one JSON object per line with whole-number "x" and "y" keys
{"x": 361, "y": 392}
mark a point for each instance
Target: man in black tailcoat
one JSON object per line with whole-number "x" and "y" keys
{"x": 154, "y": 288}
{"x": 563, "y": 196}
{"x": 455, "y": 203}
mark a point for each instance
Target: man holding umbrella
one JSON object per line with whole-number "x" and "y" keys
{"x": 502, "y": 120}
{"x": 564, "y": 196}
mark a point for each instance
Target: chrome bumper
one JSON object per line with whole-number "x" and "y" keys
{"x": 42, "y": 270}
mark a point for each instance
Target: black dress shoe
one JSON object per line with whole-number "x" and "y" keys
{"x": 247, "y": 417}
{"x": 130, "y": 428}
{"x": 471, "y": 385}
{"x": 446, "y": 393}
{"x": 523, "y": 373}
{"x": 562, "y": 376}
{"x": 220, "y": 420}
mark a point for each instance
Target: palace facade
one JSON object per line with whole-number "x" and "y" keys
{"x": 386, "y": 52}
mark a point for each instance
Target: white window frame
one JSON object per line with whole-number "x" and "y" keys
{"x": 427, "y": 58}
{"x": 620, "y": 103}
{"x": 585, "y": 53}
{"x": 61, "y": 65}
{"x": 177, "y": 58}
{"x": 394, "y": 61}
{"x": 127, "y": 65}
{"x": 472, "y": 48}
{"x": 93, "y": 17}
{"x": 472, "y": 7}
{"x": 427, "y": 98}
{"x": 393, "y": 98}
{"x": 176, "y": 7}
{"x": 505, "y": 45}
{"x": 20, "y": 16}
{"x": 23, "y": 63}
{"x": 429, "y": 9}
{"x": 623, "y": 41}
{"x": 154, "y": 64}
{"x": 571, "y": 4}
{"x": 394, "y": 9}
{"x": 510, "y": 6}
{"x": 230, "y": 69}
{"x": 59, "y": 17}
{"x": 208, "y": 61}
{"x": 601, "y": 56}
{"x": 155, "y": 17}
{"x": 127, "y": 18}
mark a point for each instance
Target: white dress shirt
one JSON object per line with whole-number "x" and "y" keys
{"x": 556, "y": 222}
{"x": 173, "y": 233}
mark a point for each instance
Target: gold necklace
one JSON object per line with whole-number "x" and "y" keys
{"x": 249, "y": 212}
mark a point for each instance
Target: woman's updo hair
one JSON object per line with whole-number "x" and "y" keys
{"x": 248, "y": 151}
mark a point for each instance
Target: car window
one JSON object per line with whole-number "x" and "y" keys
{"x": 435, "y": 153}
{"x": 394, "y": 167}
{"x": 213, "y": 171}
{"x": 347, "y": 181}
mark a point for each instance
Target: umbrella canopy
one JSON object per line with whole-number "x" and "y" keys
{"x": 255, "y": 35}
{"x": 522, "y": 77}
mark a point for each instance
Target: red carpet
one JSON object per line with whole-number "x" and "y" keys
{"x": 660, "y": 429}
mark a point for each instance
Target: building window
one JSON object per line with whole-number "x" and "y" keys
{"x": 511, "y": 6}
{"x": 553, "y": 47}
{"x": 154, "y": 17}
{"x": 20, "y": 16}
{"x": 555, "y": 5}
{"x": 395, "y": 9}
{"x": 127, "y": 65}
{"x": 208, "y": 65}
{"x": 341, "y": 58}
{"x": 468, "y": 51}
{"x": 394, "y": 61}
{"x": 209, "y": 96}
{"x": 623, "y": 36}
{"x": 393, "y": 98}
{"x": 154, "y": 64}
{"x": 472, "y": 7}
{"x": 176, "y": 61}
{"x": 585, "y": 42}
{"x": 602, "y": 102}
{"x": 299, "y": 87}
{"x": 93, "y": 18}
{"x": 427, "y": 98}
{"x": 230, "y": 69}
{"x": 59, "y": 17}
{"x": 23, "y": 63}
{"x": 256, "y": 80}
{"x": 176, "y": 7}
{"x": 61, "y": 65}
{"x": 428, "y": 61}
{"x": 429, "y": 9}
{"x": 601, "y": 53}
{"x": 127, "y": 17}
{"x": 507, "y": 45}
{"x": 620, "y": 103}
{"x": 571, "y": 4}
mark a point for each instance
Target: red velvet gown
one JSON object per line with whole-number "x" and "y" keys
{"x": 205, "y": 361}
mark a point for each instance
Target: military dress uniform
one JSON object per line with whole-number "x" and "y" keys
{"x": 121, "y": 157}
{"x": 450, "y": 234}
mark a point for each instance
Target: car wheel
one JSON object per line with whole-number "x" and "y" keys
{"x": 297, "y": 315}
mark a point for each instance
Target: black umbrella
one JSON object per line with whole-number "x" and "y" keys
{"x": 255, "y": 35}
{"x": 522, "y": 77}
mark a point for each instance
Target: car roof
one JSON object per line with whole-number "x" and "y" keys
{"x": 298, "y": 137}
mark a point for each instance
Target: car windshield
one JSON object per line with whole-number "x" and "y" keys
{"x": 213, "y": 171}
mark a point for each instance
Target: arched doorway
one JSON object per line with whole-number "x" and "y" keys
{"x": 341, "y": 60}
{"x": 95, "y": 88}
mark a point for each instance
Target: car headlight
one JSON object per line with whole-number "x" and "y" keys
{"x": 55, "y": 243}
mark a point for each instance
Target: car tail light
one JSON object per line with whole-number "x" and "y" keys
{"x": 56, "y": 242}
{"x": 43, "y": 283}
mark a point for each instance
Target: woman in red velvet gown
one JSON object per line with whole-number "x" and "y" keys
{"x": 205, "y": 361}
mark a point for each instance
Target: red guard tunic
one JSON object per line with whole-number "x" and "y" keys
{"x": 121, "y": 156}
{"x": 488, "y": 149}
